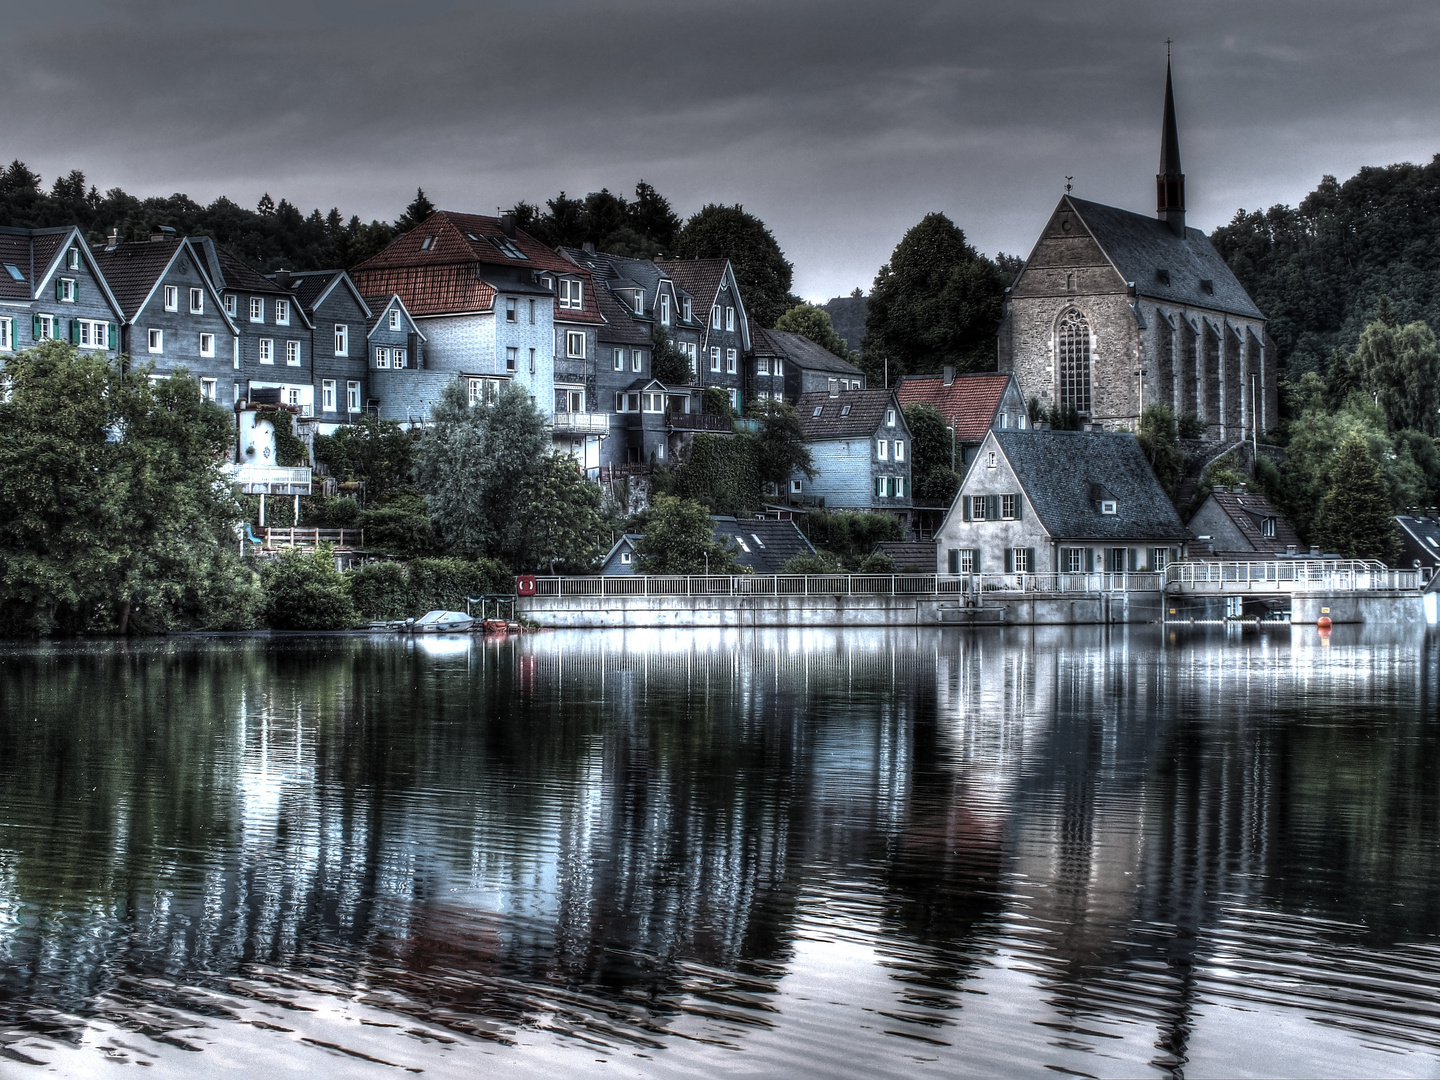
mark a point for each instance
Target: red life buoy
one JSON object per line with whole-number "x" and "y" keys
{"x": 525, "y": 585}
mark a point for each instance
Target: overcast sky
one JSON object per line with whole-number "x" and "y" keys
{"x": 839, "y": 123}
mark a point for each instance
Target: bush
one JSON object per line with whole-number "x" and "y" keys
{"x": 851, "y": 535}
{"x": 341, "y": 512}
{"x": 304, "y": 591}
{"x": 400, "y": 529}
{"x": 1191, "y": 427}
{"x": 877, "y": 563}
{"x": 408, "y": 590}
{"x": 822, "y": 562}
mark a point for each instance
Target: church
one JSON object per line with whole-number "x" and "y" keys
{"x": 1114, "y": 311}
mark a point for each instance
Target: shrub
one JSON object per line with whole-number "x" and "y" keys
{"x": 877, "y": 563}
{"x": 851, "y": 535}
{"x": 401, "y": 530}
{"x": 408, "y": 590}
{"x": 822, "y": 562}
{"x": 304, "y": 591}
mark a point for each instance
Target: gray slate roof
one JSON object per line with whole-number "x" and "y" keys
{"x": 133, "y": 268}
{"x": 763, "y": 544}
{"x": 1058, "y": 469}
{"x": 30, "y": 251}
{"x": 914, "y": 556}
{"x": 850, "y": 415}
{"x": 800, "y": 351}
{"x": 1141, "y": 246}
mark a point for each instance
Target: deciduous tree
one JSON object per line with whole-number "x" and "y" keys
{"x": 761, "y": 270}
{"x": 813, "y": 322}
{"x": 679, "y": 538}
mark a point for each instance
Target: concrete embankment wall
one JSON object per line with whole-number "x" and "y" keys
{"x": 1038, "y": 609}
{"x": 1389, "y": 610}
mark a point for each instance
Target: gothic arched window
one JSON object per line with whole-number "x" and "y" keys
{"x": 1072, "y": 349}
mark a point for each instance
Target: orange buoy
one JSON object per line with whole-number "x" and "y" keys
{"x": 1324, "y": 623}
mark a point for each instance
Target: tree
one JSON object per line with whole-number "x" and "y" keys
{"x": 1159, "y": 440}
{"x": 651, "y": 217}
{"x": 419, "y": 209}
{"x": 813, "y": 322}
{"x": 714, "y": 401}
{"x": 472, "y": 464}
{"x": 1401, "y": 367}
{"x": 780, "y": 450}
{"x": 560, "y": 517}
{"x": 1355, "y": 520}
{"x": 667, "y": 363}
{"x": 761, "y": 270}
{"x": 936, "y": 302}
{"x": 679, "y": 538}
{"x": 304, "y": 591}
{"x": 851, "y": 535}
{"x": 932, "y": 452}
{"x": 114, "y": 515}
{"x": 379, "y": 452}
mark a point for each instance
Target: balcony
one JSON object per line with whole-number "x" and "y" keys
{"x": 699, "y": 422}
{"x": 581, "y": 423}
{"x": 270, "y": 479}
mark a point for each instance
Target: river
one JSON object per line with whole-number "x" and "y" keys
{"x": 818, "y": 853}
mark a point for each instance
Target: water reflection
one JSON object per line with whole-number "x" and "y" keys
{"x": 839, "y": 853}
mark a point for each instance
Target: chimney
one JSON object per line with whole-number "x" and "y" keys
{"x": 1290, "y": 549}
{"x": 949, "y": 375}
{"x": 161, "y": 232}
{"x": 113, "y": 241}
{"x": 507, "y": 224}
{"x": 282, "y": 278}
{"x": 1314, "y": 551}
{"x": 588, "y": 247}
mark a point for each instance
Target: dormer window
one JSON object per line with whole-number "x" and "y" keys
{"x": 72, "y": 259}
{"x": 1267, "y": 527}
{"x": 639, "y": 302}
{"x": 1108, "y": 507}
{"x": 685, "y": 311}
{"x": 889, "y": 417}
{"x": 394, "y": 319}
{"x": 230, "y": 304}
{"x": 664, "y": 309}
{"x": 572, "y": 293}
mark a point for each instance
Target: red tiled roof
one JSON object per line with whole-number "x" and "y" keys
{"x": 970, "y": 402}
{"x": 442, "y": 289}
{"x": 463, "y": 238}
{"x": 30, "y": 251}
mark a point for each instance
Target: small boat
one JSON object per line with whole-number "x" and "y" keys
{"x": 441, "y": 622}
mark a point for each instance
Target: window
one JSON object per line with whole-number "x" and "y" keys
{"x": 625, "y": 557}
{"x": 882, "y": 447}
{"x": 1158, "y": 558}
{"x": 352, "y": 397}
{"x": 1076, "y": 560}
{"x": 230, "y": 301}
{"x": 889, "y": 417}
{"x": 512, "y": 358}
{"x": 664, "y": 309}
{"x": 292, "y": 353}
{"x": 692, "y": 350}
{"x": 327, "y": 395}
{"x": 619, "y": 359}
{"x": 1108, "y": 507}
{"x": 197, "y": 302}
{"x": 72, "y": 259}
{"x": 1009, "y": 504}
{"x": 715, "y": 317}
{"x": 639, "y": 302}
{"x": 157, "y": 341}
{"x": 1021, "y": 560}
{"x": 282, "y": 312}
{"x": 978, "y": 506}
{"x": 65, "y": 289}
{"x": 779, "y": 395}
{"x": 794, "y": 487}
{"x": 257, "y": 309}
{"x": 817, "y": 410}
{"x": 715, "y": 358}
{"x": 90, "y": 334}
{"x": 382, "y": 357}
{"x": 779, "y": 368}
{"x": 394, "y": 318}
{"x": 1118, "y": 560}
{"x": 427, "y": 243}
{"x": 399, "y": 357}
{"x": 511, "y": 314}
{"x": 7, "y": 333}
{"x": 962, "y": 561}
{"x": 735, "y": 400}
{"x": 653, "y": 403}
{"x": 620, "y": 402}
{"x": 685, "y": 310}
{"x": 267, "y": 350}
{"x": 172, "y": 298}
{"x": 207, "y": 344}
{"x": 637, "y": 360}
{"x": 899, "y": 450}
{"x": 730, "y": 358}
{"x": 532, "y": 361}
{"x": 729, "y": 318}
{"x": 890, "y": 487}
{"x": 1072, "y": 351}
{"x": 342, "y": 339}
{"x": 575, "y": 344}
{"x": 208, "y": 389}
{"x": 1267, "y": 527}
{"x": 762, "y": 365}
{"x": 532, "y": 312}
{"x": 572, "y": 293}
{"x": 43, "y": 327}
{"x": 990, "y": 459}
{"x": 484, "y": 391}
{"x": 14, "y": 272}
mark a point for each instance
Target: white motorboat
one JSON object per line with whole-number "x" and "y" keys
{"x": 440, "y": 622}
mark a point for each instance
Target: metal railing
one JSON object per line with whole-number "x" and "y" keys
{"x": 700, "y": 585}
{"x": 699, "y": 422}
{"x": 270, "y": 479}
{"x": 1289, "y": 575}
{"x": 581, "y": 423}
{"x": 309, "y": 538}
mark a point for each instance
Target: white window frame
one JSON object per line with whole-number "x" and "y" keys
{"x": 257, "y": 309}
{"x": 637, "y": 359}
{"x": 778, "y": 368}
{"x": 715, "y": 358}
{"x": 1109, "y": 507}
{"x": 575, "y": 344}
{"x": 664, "y": 309}
{"x": 47, "y": 326}
{"x": 731, "y": 360}
{"x": 686, "y": 311}
{"x": 1009, "y": 507}
{"x": 882, "y": 448}
{"x": 172, "y": 298}
{"x": 231, "y": 304}
{"x": 267, "y": 350}
{"x": 625, "y": 558}
{"x": 978, "y": 508}
{"x": 327, "y": 395}
{"x": 399, "y": 358}
{"x": 762, "y": 365}
{"x": 207, "y": 345}
{"x": 730, "y": 319}
{"x": 7, "y": 334}
{"x": 889, "y": 417}
{"x": 512, "y": 310}
{"x": 394, "y": 318}
{"x": 572, "y": 293}
{"x": 1020, "y": 559}
{"x": 382, "y": 357}
{"x": 282, "y": 312}
{"x": 352, "y": 396}
{"x": 795, "y": 487}
{"x": 342, "y": 339}
{"x": 292, "y": 353}
{"x": 532, "y": 361}
{"x": 619, "y": 359}
{"x": 67, "y": 290}
{"x": 155, "y": 341}
{"x": 197, "y": 301}
{"x": 715, "y": 317}
{"x": 209, "y": 389}
{"x": 734, "y": 399}
{"x": 72, "y": 259}
{"x": 899, "y": 450}
{"x": 93, "y": 334}
{"x": 639, "y": 302}
{"x": 512, "y": 358}
{"x": 880, "y": 487}
{"x": 532, "y": 312}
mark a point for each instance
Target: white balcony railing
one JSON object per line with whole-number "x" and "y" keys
{"x": 581, "y": 423}
{"x": 270, "y": 479}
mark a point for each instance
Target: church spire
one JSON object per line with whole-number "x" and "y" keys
{"x": 1170, "y": 181}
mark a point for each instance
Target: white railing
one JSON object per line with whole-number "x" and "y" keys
{"x": 581, "y": 423}
{"x": 1289, "y": 575}
{"x": 700, "y": 585}
{"x": 270, "y": 479}
{"x": 309, "y": 538}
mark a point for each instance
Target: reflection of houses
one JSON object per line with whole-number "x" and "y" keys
{"x": 860, "y": 445}
{"x": 1240, "y": 524}
{"x": 1059, "y": 502}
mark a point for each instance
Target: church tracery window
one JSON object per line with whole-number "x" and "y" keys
{"x": 1072, "y": 353}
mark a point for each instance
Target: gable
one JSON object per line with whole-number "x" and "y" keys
{"x": 1067, "y": 260}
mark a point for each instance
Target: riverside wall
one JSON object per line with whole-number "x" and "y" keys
{"x": 1392, "y": 610}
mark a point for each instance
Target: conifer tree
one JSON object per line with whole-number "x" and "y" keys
{"x": 1355, "y": 516}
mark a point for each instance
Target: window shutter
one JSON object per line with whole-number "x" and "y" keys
{"x": 35, "y": 327}
{"x": 1018, "y": 503}
{"x": 1009, "y": 560}
{"x": 975, "y": 560}
{"x": 1030, "y": 560}
{"x": 1089, "y": 560}
{"x": 59, "y": 289}
{"x": 965, "y": 507}
{"x": 110, "y": 335}
{"x": 992, "y": 507}
{"x": 76, "y": 292}
{"x": 74, "y": 331}
{"x": 954, "y": 563}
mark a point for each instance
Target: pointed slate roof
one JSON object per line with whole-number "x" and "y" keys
{"x": 1246, "y": 509}
{"x": 799, "y": 350}
{"x": 764, "y": 544}
{"x": 1141, "y": 247}
{"x": 30, "y": 251}
{"x": 133, "y": 269}
{"x": 1170, "y": 131}
{"x": 852, "y": 414}
{"x": 1057, "y": 470}
{"x": 970, "y": 402}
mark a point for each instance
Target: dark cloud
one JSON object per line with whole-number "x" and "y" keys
{"x": 839, "y": 123}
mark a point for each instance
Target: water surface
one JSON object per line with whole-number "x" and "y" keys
{"x": 816, "y": 853}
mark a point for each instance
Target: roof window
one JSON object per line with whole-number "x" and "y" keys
{"x": 507, "y": 247}
{"x": 1108, "y": 507}
{"x": 758, "y": 542}
{"x": 1207, "y": 285}
{"x": 427, "y": 243}
{"x": 844, "y": 410}
{"x": 817, "y": 410}
{"x": 14, "y": 271}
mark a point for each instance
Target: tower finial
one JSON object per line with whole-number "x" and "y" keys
{"x": 1068, "y": 184}
{"x": 1170, "y": 180}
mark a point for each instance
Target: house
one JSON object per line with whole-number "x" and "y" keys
{"x": 1044, "y": 502}
{"x": 1238, "y": 524}
{"x": 395, "y": 355}
{"x": 1114, "y": 311}
{"x": 1421, "y": 539}
{"x": 173, "y": 315}
{"x": 340, "y": 320}
{"x": 970, "y": 405}
{"x": 785, "y": 366}
{"x": 52, "y": 287}
{"x": 486, "y": 295}
{"x": 860, "y": 446}
{"x": 909, "y": 556}
{"x": 724, "y": 341}
{"x": 760, "y": 545}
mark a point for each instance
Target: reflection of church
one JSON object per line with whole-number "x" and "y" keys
{"x": 1114, "y": 311}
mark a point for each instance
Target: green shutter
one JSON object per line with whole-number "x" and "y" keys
{"x": 77, "y": 289}
{"x": 74, "y": 331}
{"x": 59, "y": 289}
{"x": 34, "y": 327}
{"x": 110, "y": 335}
